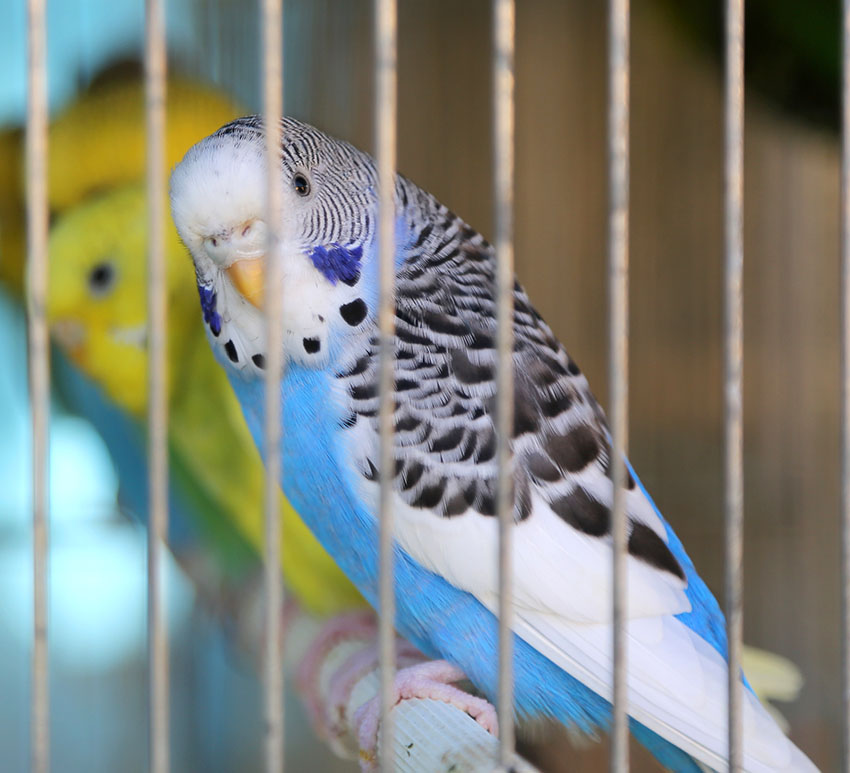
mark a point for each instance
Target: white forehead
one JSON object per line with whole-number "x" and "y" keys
{"x": 220, "y": 182}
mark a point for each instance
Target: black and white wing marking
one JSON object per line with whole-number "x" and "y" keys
{"x": 445, "y": 405}
{"x": 444, "y": 490}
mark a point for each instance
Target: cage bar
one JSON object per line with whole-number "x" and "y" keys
{"x": 733, "y": 428}
{"x": 845, "y": 387}
{"x": 158, "y": 669}
{"x": 504, "y": 15}
{"x": 39, "y": 372}
{"x": 272, "y": 33}
{"x": 386, "y": 78}
{"x": 618, "y": 354}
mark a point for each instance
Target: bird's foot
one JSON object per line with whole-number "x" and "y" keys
{"x": 434, "y": 680}
{"x": 355, "y": 627}
{"x": 342, "y": 662}
{"x": 361, "y": 665}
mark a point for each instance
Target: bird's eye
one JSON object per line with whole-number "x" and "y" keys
{"x": 101, "y": 278}
{"x": 301, "y": 184}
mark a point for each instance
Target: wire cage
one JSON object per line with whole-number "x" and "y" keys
{"x": 608, "y": 158}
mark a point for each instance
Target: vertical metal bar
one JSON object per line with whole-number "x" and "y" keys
{"x": 386, "y": 42}
{"x": 733, "y": 363}
{"x": 157, "y": 387}
{"x": 618, "y": 353}
{"x": 39, "y": 371}
{"x": 504, "y": 14}
{"x": 845, "y": 388}
{"x": 272, "y": 32}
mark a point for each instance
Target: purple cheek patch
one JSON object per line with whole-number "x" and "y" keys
{"x": 338, "y": 264}
{"x": 211, "y": 316}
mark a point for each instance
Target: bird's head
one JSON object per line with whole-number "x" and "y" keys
{"x": 325, "y": 231}
{"x": 97, "y": 298}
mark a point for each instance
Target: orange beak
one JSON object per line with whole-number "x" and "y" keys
{"x": 248, "y": 276}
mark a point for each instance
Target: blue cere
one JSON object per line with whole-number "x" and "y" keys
{"x": 338, "y": 263}
{"x": 208, "y": 302}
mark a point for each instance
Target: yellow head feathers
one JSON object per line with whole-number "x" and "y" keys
{"x": 99, "y": 141}
{"x": 97, "y": 295}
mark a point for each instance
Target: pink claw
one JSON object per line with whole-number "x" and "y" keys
{"x": 355, "y": 626}
{"x": 346, "y": 677}
{"x": 350, "y": 672}
{"x": 432, "y": 679}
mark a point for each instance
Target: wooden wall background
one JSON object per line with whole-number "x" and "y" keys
{"x": 791, "y": 280}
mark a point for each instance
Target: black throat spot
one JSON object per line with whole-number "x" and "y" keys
{"x": 355, "y": 312}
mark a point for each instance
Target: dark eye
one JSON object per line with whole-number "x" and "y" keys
{"x": 101, "y": 278}
{"x": 301, "y": 184}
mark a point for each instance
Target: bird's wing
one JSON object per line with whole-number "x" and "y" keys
{"x": 445, "y": 493}
{"x": 446, "y": 443}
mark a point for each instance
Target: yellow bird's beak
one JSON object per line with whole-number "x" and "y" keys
{"x": 248, "y": 276}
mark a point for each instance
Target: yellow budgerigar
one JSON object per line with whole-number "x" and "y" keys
{"x": 97, "y": 312}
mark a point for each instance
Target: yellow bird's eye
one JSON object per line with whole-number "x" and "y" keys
{"x": 101, "y": 278}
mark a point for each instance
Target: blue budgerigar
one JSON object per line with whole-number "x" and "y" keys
{"x": 444, "y": 485}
